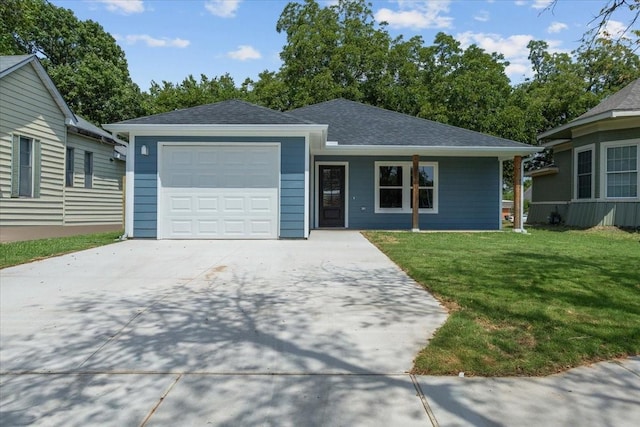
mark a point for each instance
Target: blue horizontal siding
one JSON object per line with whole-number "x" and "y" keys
{"x": 468, "y": 194}
{"x": 292, "y": 168}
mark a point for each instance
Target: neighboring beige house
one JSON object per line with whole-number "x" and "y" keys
{"x": 56, "y": 168}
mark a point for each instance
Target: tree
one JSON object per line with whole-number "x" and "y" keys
{"x": 86, "y": 64}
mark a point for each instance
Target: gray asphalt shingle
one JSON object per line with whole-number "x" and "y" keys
{"x": 231, "y": 112}
{"x": 626, "y": 99}
{"x": 354, "y": 123}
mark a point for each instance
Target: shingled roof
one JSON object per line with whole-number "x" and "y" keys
{"x": 231, "y": 112}
{"x": 354, "y": 123}
{"x": 626, "y": 99}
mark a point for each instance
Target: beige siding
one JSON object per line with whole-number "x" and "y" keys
{"x": 101, "y": 204}
{"x": 589, "y": 214}
{"x": 27, "y": 108}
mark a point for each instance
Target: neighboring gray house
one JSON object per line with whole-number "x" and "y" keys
{"x": 55, "y": 167}
{"x": 237, "y": 170}
{"x": 594, "y": 179}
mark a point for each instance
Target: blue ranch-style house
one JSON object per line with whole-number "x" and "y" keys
{"x": 237, "y": 170}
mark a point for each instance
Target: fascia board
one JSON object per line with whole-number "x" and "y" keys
{"x": 225, "y": 130}
{"x": 403, "y": 150}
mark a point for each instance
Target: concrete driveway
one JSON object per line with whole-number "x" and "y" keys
{"x": 319, "y": 332}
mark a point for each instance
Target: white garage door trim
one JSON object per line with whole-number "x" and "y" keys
{"x": 265, "y": 198}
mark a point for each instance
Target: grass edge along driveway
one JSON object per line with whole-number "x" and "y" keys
{"x": 532, "y": 304}
{"x": 14, "y": 253}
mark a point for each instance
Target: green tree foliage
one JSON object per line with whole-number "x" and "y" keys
{"x": 84, "y": 61}
{"x": 190, "y": 93}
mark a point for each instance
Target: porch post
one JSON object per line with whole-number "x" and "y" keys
{"x": 415, "y": 223}
{"x": 517, "y": 193}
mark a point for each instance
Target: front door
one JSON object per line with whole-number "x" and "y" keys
{"x": 331, "y": 197}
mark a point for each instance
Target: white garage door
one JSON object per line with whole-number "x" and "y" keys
{"x": 218, "y": 192}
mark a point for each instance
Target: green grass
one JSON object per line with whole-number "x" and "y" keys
{"x": 15, "y": 253}
{"x": 530, "y": 304}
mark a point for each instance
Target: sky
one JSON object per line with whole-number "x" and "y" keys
{"x": 167, "y": 40}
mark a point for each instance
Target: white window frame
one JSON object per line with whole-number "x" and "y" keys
{"x": 576, "y": 152}
{"x": 22, "y": 172}
{"x": 406, "y": 187}
{"x": 88, "y": 171}
{"x": 603, "y": 167}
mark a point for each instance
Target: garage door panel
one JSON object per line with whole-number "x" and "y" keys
{"x": 224, "y": 192}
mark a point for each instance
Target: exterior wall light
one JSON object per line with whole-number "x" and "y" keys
{"x": 144, "y": 150}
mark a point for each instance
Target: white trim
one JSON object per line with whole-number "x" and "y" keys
{"x": 611, "y": 114}
{"x": 130, "y": 187}
{"x": 603, "y": 169}
{"x": 162, "y": 144}
{"x": 406, "y": 187}
{"x": 306, "y": 188}
{"x": 316, "y": 190}
{"x": 409, "y": 150}
{"x": 574, "y": 171}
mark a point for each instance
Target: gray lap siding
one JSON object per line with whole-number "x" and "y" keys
{"x": 468, "y": 193}
{"x": 292, "y": 168}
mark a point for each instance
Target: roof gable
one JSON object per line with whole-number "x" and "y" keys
{"x": 231, "y": 112}
{"x": 9, "y": 64}
{"x": 626, "y": 99}
{"x": 354, "y": 123}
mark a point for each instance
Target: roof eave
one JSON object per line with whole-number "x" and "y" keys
{"x": 469, "y": 151}
{"x": 564, "y": 130}
{"x": 191, "y": 129}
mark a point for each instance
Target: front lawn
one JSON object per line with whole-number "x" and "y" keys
{"x": 529, "y": 304}
{"x": 15, "y": 253}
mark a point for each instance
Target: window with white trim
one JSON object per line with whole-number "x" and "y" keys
{"x": 584, "y": 170}
{"x": 25, "y": 167}
{"x": 394, "y": 187}
{"x": 88, "y": 169}
{"x": 69, "y": 163}
{"x": 621, "y": 170}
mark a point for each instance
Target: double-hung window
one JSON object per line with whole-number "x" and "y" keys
{"x": 69, "y": 167}
{"x": 584, "y": 159}
{"x": 25, "y": 167}
{"x": 394, "y": 187}
{"x": 88, "y": 169}
{"x": 621, "y": 161}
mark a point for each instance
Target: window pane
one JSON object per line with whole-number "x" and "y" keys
{"x": 69, "y": 168}
{"x": 622, "y": 171}
{"x": 88, "y": 170}
{"x": 26, "y": 168}
{"x": 390, "y": 176}
{"x": 584, "y": 186}
{"x": 584, "y": 162}
{"x": 425, "y": 198}
{"x": 426, "y": 175}
{"x": 391, "y": 198}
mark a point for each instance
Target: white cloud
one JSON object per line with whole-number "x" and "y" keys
{"x": 482, "y": 16}
{"x": 126, "y": 7}
{"x": 152, "y": 41}
{"x": 244, "y": 53}
{"x": 556, "y": 27}
{"x": 520, "y": 2}
{"x": 222, "y": 8}
{"x": 612, "y": 29}
{"x": 541, "y": 4}
{"x": 514, "y": 48}
{"x": 417, "y": 14}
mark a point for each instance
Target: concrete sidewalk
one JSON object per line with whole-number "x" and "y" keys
{"x": 288, "y": 333}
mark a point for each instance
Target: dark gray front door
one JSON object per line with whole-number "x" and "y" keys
{"x": 331, "y": 197}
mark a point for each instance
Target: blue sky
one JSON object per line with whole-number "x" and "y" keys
{"x": 170, "y": 39}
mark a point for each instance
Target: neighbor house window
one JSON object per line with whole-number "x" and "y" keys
{"x": 88, "y": 169}
{"x": 584, "y": 169}
{"x": 25, "y": 167}
{"x": 69, "y": 168}
{"x": 394, "y": 188}
{"x": 621, "y": 170}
